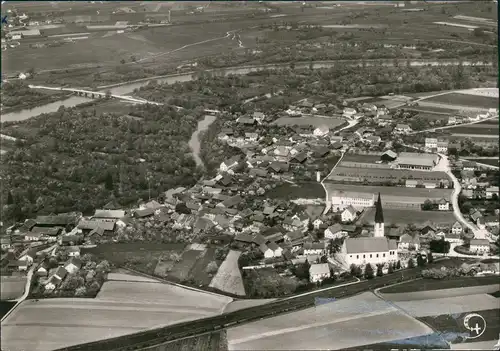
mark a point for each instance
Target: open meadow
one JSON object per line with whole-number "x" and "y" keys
{"x": 120, "y": 308}
{"x": 402, "y": 217}
{"x": 228, "y": 277}
{"x": 289, "y": 191}
{"x": 11, "y": 287}
{"x": 341, "y": 324}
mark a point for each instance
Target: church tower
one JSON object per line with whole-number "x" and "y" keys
{"x": 379, "y": 219}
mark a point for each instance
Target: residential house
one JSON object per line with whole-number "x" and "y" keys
{"x": 349, "y": 214}
{"x": 431, "y": 143}
{"x": 349, "y": 112}
{"x": 452, "y": 120}
{"x": 336, "y": 139}
{"x": 443, "y": 205}
{"x": 281, "y": 151}
{"x": 147, "y": 212}
{"x": 279, "y": 167}
{"x": 456, "y": 228}
{"x": 231, "y": 202}
{"x": 33, "y": 236}
{"x": 294, "y": 235}
{"x": 373, "y": 250}
{"x": 29, "y": 257}
{"x": 73, "y": 265}
{"x": 442, "y": 146}
{"x": 73, "y": 251}
{"x": 453, "y": 237}
{"x": 373, "y": 139}
{"x": 407, "y": 242}
{"x": 5, "y": 242}
{"x": 321, "y": 151}
{"x": 334, "y": 232}
{"x": 321, "y": 131}
{"x": 475, "y": 216}
{"x": 299, "y": 158}
{"x": 402, "y": 128}
{"x": 314, "y": 248}
{"x": 53, "y": 282}
{"x": 258, "y": 116}
{"x": 229, "y": 164}
{"x": 258, "y": 172}
{"x": 468, "y": 166}
{"x": 43, "y": 269}
{"x": 277, "y": 250}
{"x": 492, "y": 192}
{"x": 292, "y": 224}
{"x": 70, "y": 239}
{"x": 20, "y": 265}
{"x": 479, "y": 246}
{"x": 251, "y": 137}
{"x": 248, "y": 121}
{"x": 343, "y": 199}
{"x": 491, "y": 221}
{"x": 93, "y": 224}
{"x": 319, "y": 272}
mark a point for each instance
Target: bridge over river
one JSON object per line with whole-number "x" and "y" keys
{"x": 96, "y": 94}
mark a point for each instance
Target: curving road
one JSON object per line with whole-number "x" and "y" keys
{"x": 452, "y": 126}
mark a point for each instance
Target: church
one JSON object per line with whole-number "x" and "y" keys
{"x": 374, "y": 250}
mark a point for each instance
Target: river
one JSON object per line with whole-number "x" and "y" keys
{"x": 194, "y": 142}
{"x": 128, "y": 87}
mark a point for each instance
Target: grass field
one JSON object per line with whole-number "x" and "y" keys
{"x": 433, "y": 110}
{"x": 205, "y": 342}
{"x": 198, "y": 271}
{"x": 289, "y": 191}
{"x": 429, "y": 284}
{"x": 403, "y": 217}
{"x": 431, "y": 116}
{"x": 465, "y": 100}
{"x": 228, "y": 277}
{"x": 356, "y": 321}
{"x": 483, "y": 130}
{"x": 121, "y": 308}
{"x": 309, "y": 121}
{"x": 452, "y": 325}
{"x": 181, "y": 269}
{"x": 11, "y": 287}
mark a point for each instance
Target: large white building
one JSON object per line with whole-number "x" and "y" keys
{"x": 360, "y": 251}
{"x": 411, "y": 160}
{"x": 343, "y": 199}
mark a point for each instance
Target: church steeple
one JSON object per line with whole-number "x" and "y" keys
{"x": 379, "y": 214}
{"x": 379, "y": 231}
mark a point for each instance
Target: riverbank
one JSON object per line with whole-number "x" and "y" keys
{"x": 29, "y": 106}
{"x": 126, "y": 88}
{"x": 195, "y": 142}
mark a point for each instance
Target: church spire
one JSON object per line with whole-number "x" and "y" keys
{"x": 379, "y": 215}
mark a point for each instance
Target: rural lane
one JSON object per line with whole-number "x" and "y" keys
{"x": 19, "y": 300}
{"x": 457, "y": 188}
{"x": 350, "y": 123}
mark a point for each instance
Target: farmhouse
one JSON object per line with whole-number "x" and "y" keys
{"x": 321, "y": 131}
{"x": 443, "y": 205}
{"x": 456, "y": 228}
{"x": 402, "y": 128}
{"x": 431, "y": 143}
{"x": 407, "y": 242}
{"x": 349, "y": 112}
{"x": 319, "y": 272}
{"x": 229, "y": 164}
{"x": 442, "y": 146}
{"x": 95, "y": 223}
{"x": 73, "y": 265}
{"x": 314, "y": 248}
{"x": 61, "y": 220}
{"x": 414, "y": 161}
{"x": 479, "y": 246}
{"x": 349, "y": 214}
{"x": 360, "y": 251}
{"x": 334, "y": 232}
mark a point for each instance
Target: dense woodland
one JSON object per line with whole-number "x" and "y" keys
{"x": 78, "y": 160}
{"x": 17, "y": 95}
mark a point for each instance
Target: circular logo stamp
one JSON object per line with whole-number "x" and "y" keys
{"x": 475, "y": 324}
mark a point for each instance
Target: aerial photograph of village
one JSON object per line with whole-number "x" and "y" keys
{"x": 249, "y": 175}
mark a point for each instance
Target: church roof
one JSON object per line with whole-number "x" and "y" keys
{"x": 379, "y": 215}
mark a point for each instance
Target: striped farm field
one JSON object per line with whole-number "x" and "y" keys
{"x": 481, "y": 130}
{"x": 465, "y": 100}
{"x": 228, "y": 277}
{"x": 401, "y": 217}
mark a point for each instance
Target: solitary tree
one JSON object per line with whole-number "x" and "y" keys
{"x": 310, "y": 226}
{"x": 10, "y": 198}
{"x": 411, "y": 264}
{"x": 420, "y": 260}
{"x": 369, "y": 271}
{"x": 355, "y": 270}
{"x": 108, "y": 182}
{"x": 430, "y": 258}
{"x": 212, "y": 267}
{"x": 398, "y": 265}
{"x": 390, "y": 269}
{"x": 379, "y": 270}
